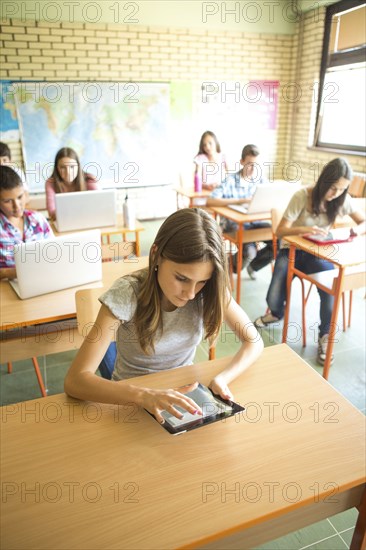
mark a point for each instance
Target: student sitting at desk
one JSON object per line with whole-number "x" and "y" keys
{"x": 210, "y": 162}
{"x": 239, "y": 188}
{"x": 162, "y": 313}
{"x": 312, "y": 210}
{"x": 17, "y": 225}
{"x": 67, "y": 176}
{"x": 5, "y": 160}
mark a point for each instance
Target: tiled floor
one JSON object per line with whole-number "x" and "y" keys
{"x": 347, "y": 375}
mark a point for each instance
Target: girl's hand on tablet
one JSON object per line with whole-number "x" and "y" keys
{"x": 156, "y": 401}
{"x": 218, "y": 386}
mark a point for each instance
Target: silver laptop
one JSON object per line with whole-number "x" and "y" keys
{"x": 268, "y": 196}
{"x": 85, "y": 210}
{"x": 54, "y": 264}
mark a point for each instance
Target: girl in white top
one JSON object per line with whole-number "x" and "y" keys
{"x": 161, "y": 313}
{"x": 312, "y": 210}
{"x": 210, "y": 163}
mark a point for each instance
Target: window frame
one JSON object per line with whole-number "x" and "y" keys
{"x": 337, "y": 59}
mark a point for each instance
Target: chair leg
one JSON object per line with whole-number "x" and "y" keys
{"x": 350, "y": 308}
{"x": 10, "y": 368}
{"x": 39, "y": 377}
{"x": 344, "y": 312}
{"x": 212, "y": 353}
{"x": 303, "y": 312}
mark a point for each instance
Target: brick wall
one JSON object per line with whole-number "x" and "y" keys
{"x": 91, "y": 52}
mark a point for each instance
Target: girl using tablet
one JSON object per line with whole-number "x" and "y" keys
{"x": 160, "y": 315}
{"x": 67, "y": 176}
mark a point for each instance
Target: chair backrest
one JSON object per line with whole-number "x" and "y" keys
{"x": 87, "y": 308}
{"x": 357, "y": 187}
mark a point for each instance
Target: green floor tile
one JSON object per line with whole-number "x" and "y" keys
{"x": 347, "y": 536}
{"x": 344, "y": 520}
{"x": 303, "y": 537}
{"x": 333, "y": 543}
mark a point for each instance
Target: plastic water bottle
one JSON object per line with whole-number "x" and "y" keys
{"x": 197, "y": 183}
{"x": 129, "y": 217}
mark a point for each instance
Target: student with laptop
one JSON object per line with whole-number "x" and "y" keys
{"x": 17, "y": 224}
{"x": 312, "y": 210}
{"x": 239, "y": 188}
{"x": 162, "y": 313}
{"x": 67, "y": 176}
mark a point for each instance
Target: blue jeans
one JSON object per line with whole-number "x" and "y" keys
{"x": 276, "y": 295}
{"x": 106, "y": 366}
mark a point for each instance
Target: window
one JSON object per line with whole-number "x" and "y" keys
{"x": 341, "y": 111}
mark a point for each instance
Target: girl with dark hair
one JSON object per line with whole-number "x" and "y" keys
{"x": 17, "y": 223}
{"x": 67, "y": 176}
{"x": 312, "y": 210}
{"x": 162, "y": 313}
{"x": 210, "y": 162}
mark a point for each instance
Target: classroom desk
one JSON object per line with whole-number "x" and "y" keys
{"x": 243, "y": 235}
{"x": 108, "y": 232}
{"x": 84, "y": 475}
{"x": 345, "y": 257}
{"x": 58, "y": 308}
{"x": 195, "y": 198}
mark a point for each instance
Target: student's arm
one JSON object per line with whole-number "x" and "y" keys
{"x": 250, "y": 350}
{"x": 285, "y": 228}
{"x": 50, "y": 200}
{"x": 359, "y": 219}
{"x": 82, "y": 382}
{"x": 8, "y": 273}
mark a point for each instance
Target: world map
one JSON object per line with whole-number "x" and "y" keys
{"x": 119, "y": 130}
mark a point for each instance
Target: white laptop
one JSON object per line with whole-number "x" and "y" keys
{"x": 54, "y": 264}
{"x": 85, "y": 210}
{"x": 268, "y": 196}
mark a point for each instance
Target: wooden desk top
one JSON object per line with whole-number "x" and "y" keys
{"x": 118, "y": 228}
{"x": 191, "y": 193}
{"x": 238, "y": 217}
{"x": 57, "y": 305}
{"x": 340, "y": 254}
{"x": 111, "y": 477}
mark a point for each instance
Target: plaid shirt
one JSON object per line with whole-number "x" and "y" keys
{"x": 36, "y": 228}
{"x": 235, "y": 187}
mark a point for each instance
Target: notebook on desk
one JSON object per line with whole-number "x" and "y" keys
{"x": 268, "y": 196}
{"x": 55, "y": 264}
{"x": 85, "y": 210}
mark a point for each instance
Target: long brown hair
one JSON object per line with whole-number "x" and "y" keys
{"x": 187, "y": 236}
{"x": 79, "y": 182}
{"x": 331, "y": 173}
{"x": 201, "y": 150}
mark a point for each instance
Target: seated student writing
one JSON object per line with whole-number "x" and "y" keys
{"x": 162, "y": 312}
{"x": 67, "y": 176}
{"x": 312, "y": 210}
{"x": 5, "y": 160}
{"x": 239, "y": 188}
{"x": 210, "y": 162}
{"x": 17, "y": 224}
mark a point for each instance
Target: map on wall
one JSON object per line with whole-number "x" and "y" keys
{"x": 9, "y": 127}
{"x": 119, "y": 130}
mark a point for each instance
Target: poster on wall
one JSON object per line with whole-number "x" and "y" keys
{"x": 119, "y": 130}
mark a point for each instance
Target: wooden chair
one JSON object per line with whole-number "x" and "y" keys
{"x": 324, "y": 278}
{"x": 38, "y": 374}
{"x": 357, "y": 187}
{"x": 87, "y": 308}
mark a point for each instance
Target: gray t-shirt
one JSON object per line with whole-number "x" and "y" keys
{"x": 174, "y": 347}
{"x": 297, "y": 212}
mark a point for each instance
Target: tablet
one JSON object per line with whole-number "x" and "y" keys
{"x": 335, "y": 236}
{"x": 214, "y": 408}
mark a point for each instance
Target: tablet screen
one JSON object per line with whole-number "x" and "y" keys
{"x": 213, "y": 408}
